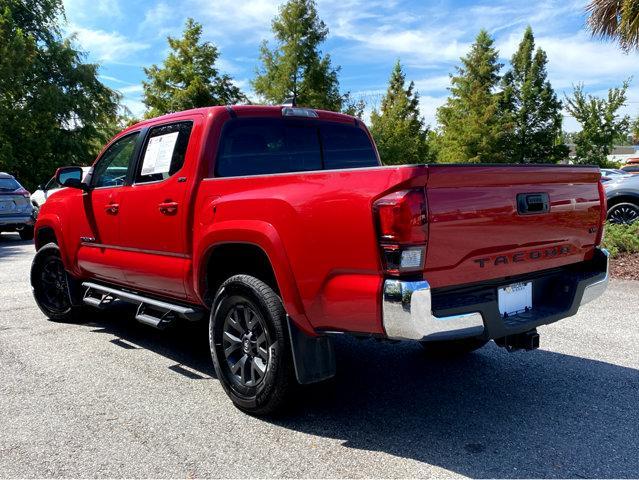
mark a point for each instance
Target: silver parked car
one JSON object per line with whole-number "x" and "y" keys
{"x": 623, "y": 199}
{"x": 16, "y": 212}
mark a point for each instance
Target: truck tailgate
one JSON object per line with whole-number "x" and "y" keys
{"x": 477, "y": 231}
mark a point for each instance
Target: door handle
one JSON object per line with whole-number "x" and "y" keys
{"x": 168, "y": 208}
{"x": 112, "y": 208}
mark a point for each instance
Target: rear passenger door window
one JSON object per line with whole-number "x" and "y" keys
{"x": 164, "y": 152}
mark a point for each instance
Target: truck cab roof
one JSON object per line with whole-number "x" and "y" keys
{"x": 247, "y": 111}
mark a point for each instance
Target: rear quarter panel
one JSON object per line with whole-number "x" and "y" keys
{"x": 317, "y": 229}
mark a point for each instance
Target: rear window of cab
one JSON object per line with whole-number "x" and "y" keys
{"x": 261, "y": 146}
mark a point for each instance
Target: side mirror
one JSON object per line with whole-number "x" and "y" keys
{"x": 71, "y": 177}
{"x": 40, "y": 187}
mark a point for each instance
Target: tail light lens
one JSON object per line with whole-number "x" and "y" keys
{"x": 603, "y": 201}
{"x": 402, "y": 224}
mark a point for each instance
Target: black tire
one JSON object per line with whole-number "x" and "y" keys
{"x": 52, "y": 286}
{"x": 246, "y": 304}
{"x": 26, "y": 233}
{"x": 452, "y": 348}
{"x": 623, "y": 212}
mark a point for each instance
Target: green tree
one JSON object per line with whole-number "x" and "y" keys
{"x": 531, "y": 107}
{"x": 472, "y": 124}
{"x": 353, "y": 107}
{"x": 295, "y": 68}
{"x": 616, "y": 19}
{"x": 634, "y": 131}
{"x": 188, "y": 77}
{"x": 601, "y": 123}
{"x": 53, "y": 109}
{"x": 398, "y": 128}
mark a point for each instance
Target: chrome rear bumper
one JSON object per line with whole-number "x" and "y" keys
{"x": 408, "y": 315}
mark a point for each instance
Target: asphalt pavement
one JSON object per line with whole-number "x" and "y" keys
{"x": 112, "y": 398}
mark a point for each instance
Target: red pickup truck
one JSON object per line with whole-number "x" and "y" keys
{"x": 280, "y": 226}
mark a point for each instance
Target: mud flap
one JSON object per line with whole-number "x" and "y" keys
{"x": 313, "y": 357}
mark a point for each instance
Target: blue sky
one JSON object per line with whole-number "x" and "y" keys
{"x": 366, "y": 37}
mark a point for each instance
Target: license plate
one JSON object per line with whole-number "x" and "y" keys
{"x": 515, "y": 298}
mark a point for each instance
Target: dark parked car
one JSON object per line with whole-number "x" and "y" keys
{"x": 623, "y": 199}
{"x": 608, "y": 174}
{"x": 16, "y": 212}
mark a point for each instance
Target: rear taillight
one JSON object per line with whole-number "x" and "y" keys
{"x": 603, "y": 214}
{"x": 23, "y": 192}
{"x": 402, "y": 226}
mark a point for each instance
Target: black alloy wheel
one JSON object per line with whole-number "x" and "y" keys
{"x": 52, "y": 287}
{"x": 246, "y": 344}
{"x": 54, "y": 294}
{"x": 625, "y": 213}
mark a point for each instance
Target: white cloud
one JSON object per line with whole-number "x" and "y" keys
{"x": 131, "y": 89}
{"x": 83, "y": 10}
{"x": 106, "y": 46}
{"x": 245, "y": 20}
{"x": 433, "y": 84}
{"x": 135, "y": 106}
{"x": 578, "y": 58}
{"x": 162, "y": 20}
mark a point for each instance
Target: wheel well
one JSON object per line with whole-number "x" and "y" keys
{"x": 233, "y": 259}
{"x": 623, "y": 198}
{"x": 43, "y": 236}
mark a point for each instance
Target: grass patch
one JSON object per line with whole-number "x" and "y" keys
{"x": 621, "y": 238}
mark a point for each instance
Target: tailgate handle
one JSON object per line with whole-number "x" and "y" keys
{"x": 532, "y": 203}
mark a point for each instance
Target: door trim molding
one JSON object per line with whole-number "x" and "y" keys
{"x": 135, "y": 250}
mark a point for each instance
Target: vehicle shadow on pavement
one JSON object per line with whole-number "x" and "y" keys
{"x": 11, "y": 244}
{"x": 489, "y": 414}
{"x": 185, "y": 343}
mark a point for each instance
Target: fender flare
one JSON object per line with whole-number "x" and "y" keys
{"x": 53, "y": 222}
{"x": 264, "y": 236}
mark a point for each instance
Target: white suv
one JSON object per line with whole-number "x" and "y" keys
{"x": 44, "y": 192}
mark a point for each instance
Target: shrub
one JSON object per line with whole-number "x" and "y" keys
{"x": 620, "y": 238}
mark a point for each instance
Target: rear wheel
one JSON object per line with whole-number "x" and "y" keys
{"x": 452, "y": 348}
{"x": 50, "y": 283}
{"x": 249, "y": 344}
{"x": 624, "y": 212}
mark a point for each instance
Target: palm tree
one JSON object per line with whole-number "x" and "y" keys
{"x": 616, "y": 19}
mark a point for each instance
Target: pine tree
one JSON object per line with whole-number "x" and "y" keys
{"x": 398, "y": 129}
{"x": 601, "y": 123}
{"x": 188, "y": 77}
{"x": 472, "y": 123}
{"x": 295, "y": 68}
{"x": 532, "y": 108}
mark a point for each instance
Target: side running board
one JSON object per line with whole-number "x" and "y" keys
{"x": 153, "y": 312}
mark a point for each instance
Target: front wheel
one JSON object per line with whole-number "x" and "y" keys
{"x": 452, "y": 348}
{"x": 50, "y": 283}
{"x": 249, "y": 344}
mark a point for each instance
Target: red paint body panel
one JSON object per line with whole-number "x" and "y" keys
{"x": 318, "y": 228}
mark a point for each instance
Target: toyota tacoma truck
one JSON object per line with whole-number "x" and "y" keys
{"x": 280, "y": 226}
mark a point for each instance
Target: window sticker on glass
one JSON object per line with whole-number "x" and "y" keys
{"x": 158, "y": 155}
